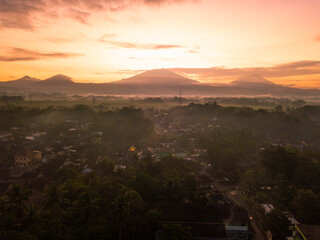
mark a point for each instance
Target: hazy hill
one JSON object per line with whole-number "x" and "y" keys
{"x": 159, "y": 82}
{"x": 23, "y": 82}
{"x": 252, "y": 80}
{"x": 25, "y": 79}
{"x": 57, "y": 80}
{"x": 157, "y": 77}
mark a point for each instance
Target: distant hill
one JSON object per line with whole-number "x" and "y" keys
{"x": 158, "y": 82}
{"x": 21, "y": 82}
{"x": 57, "y": 80}
{"x": 25, "y": 79}
{"x": 157, "y": 77}
{"x": 252, "y": 80}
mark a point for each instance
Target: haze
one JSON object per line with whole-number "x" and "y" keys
{"x": 107, "y": 40}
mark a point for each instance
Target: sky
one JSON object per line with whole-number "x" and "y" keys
{"x": 213, "y": 41}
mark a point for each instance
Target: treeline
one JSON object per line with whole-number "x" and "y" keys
{"x": 120, "y": 127}
{"x": 273, "y": 126}
{"x": 11, "y": 98}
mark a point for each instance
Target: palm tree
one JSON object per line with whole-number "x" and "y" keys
{"x": 124, "y": 203}
{"x": 16, "y": 197}
{"x": 86, "y": 207}
{"x": 52, "y": 199}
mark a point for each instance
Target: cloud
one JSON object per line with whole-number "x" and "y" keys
{"x": 136, "y": 58}
{"x": 297, "y": 65}
{"x": 23, "y": 14}
{"x": 20, "y": 54}
{"x": 317, "y": 38}
{"x": 281, "y": 70}
{"x": 194, "y": 50}
{"x": 141, "y": 46}
{"x": 105, "y": 37}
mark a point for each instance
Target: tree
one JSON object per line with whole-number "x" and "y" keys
{"x": 107, "y": 167}
{"x": 124, "y": 203}
{"x": 52, "y": 199}
{"x": 279, "y": 160}
{"x": 17, "y": 196}
{"x": 277, "y": 223}
{"x": 307, "y": 206}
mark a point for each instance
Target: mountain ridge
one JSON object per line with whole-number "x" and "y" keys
{"x": 161, "y": 82}
{"x": 157, "y": 77}
{"x": 254, "y": 78}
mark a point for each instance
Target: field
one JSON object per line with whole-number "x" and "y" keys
{"x": 165, "y": 103}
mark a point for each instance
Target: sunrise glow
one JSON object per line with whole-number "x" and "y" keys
{"x": 209, "y": 40}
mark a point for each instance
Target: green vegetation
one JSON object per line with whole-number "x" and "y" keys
{"x": 108, "y": 205}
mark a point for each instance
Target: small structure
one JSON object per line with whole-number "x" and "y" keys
{"x": 119, "y": 167}
{"x": 268, "y": 208}
{"x": 132, "y": 149}
{"x": 5, "y": 135}
{"x": 86, "y": 171}
{"x": 180, "y": 155}
{"x": 96, "y": 137}
{"x": 237, "y": 231}
{"x": 27, "y": 158}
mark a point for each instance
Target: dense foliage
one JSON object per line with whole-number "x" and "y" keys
{"x": 102, "y": 205}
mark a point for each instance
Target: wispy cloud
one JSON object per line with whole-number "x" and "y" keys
{"x": 317, "y": 38}
{"x": 194, "y": 50}
{"x": 21, "y": 14}
{"x": 298, "y": 65}
{"x": 106, "y": 37}
{"x": 136, "y": 58}
{"x": 281, "y": 70}
{"x": 20, "y": 54}
{"x": 142, "y": 46}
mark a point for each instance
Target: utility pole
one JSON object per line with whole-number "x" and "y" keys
{"x": 94, "y": 99}
{"x": 30, "y": 98}
{"x": 180, "y": 98}
{"x": 5, "y": 96}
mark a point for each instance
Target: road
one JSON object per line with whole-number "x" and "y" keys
{"x": 230, "y": 193}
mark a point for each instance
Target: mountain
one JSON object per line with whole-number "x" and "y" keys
{"x": 159, "y": 82}
{"x": 25, "y": 79}
{"x": 21, "y": 82}
{"x": 157, "y": 77}
{"x": 252, "y": 79}
{"x": 57, "y": 80}
{"x": 257, "y": 82}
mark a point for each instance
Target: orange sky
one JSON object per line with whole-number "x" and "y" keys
{"x": 209, "y": 40}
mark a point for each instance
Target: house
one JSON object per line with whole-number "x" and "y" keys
{"x": 86, "y": 171}
{"x": 203, "y": 230}
{"x": 205, "y": 183}
{"x": 5, "y": 135}
{"x": 207, "y": 222}
{"x": 237, "y": 227}
{"x": 237, "y": 231}
{"x": 96, "y": 137}
{"x": 27, "y": 158}
{"x": 180, "y": 155}
{"x": 51, "y": 168}
{"x": 119, "y": 167}
{"x": 268, "y": 208}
